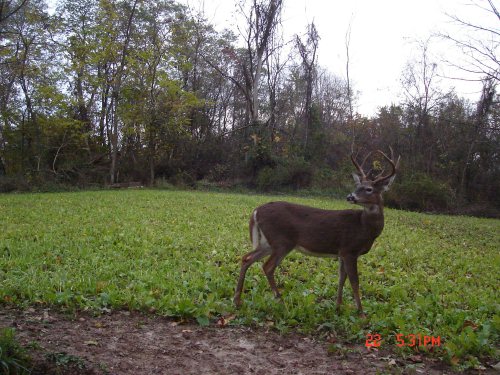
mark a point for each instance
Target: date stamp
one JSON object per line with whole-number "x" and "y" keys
{"x": 375, "y": 340}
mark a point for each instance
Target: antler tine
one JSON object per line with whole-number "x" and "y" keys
{"x": 360, "y": 170}
{"x": 392, "y": 157}
{"x": 380, "y": 174}
{"x": 394, "y": 166}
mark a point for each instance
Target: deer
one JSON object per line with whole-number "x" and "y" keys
{"x": 277, "y": 228}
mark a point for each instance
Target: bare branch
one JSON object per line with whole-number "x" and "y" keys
{"x": 471, "y": 25}
{"x": 227, "y": 76}
{"x": 12, "y": 12}
{"x": 481, "y": 52}
{"x": 494, "y": 9}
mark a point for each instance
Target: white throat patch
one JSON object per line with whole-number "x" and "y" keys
{"x": 372, "y": 209}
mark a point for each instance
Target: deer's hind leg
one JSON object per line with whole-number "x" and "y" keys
{"x": 250, "y": 258}
{"x": 272, "y": 263}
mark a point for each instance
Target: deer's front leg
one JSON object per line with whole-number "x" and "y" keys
{"x": 342, "y": 277}
{"x": 351, "y": 267}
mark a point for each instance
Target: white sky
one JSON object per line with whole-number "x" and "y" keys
{"x": 383, "y": 36}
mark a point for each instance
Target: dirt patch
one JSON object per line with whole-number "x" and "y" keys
{"x": 132, "y": 343}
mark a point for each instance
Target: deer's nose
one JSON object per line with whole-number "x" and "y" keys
{"x": 351, "y": 198}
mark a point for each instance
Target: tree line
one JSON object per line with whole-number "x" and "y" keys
{"x": 99, "y": 92}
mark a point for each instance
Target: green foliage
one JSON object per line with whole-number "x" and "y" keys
{"x": 339, "y": 179}
{"x": 10, "y": 184}
{"x": 65, "y": 360}
{"x": 420, "y": 192}
{"x": 179, "y": 253}
{"x": 219, "y": 172}
{"x": 141, "y": 90}
{"x": 318, "y": 140}
{"x": 258, "y": 156}
{"x": 13, "y": 358}
{"x": 292, "y": 172}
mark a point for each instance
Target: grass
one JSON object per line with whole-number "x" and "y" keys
{"x": 177, "y": 253}
{"x": 13, "y": 357}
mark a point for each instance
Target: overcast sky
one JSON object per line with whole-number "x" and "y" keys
{"x": 383, "y": 38}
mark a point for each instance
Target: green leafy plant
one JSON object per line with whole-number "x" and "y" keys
{"x": 63, "y": 359}
{"x": 292, "y": 172}
{"x": 177, "y": 253}
{"x": 13, "y": 357}
{"x": 420, "y": 192}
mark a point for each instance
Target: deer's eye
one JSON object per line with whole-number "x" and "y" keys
{"x": 369, "y": 190}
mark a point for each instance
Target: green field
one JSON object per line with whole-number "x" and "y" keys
{"x": 177, "y": 253}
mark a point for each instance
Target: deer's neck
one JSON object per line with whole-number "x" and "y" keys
{"x": 373, "y": 218}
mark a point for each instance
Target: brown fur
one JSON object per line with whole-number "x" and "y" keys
{"x": 317, "y": 230}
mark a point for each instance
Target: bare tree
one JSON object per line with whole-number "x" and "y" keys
{"x": 275, "y": 67}
{"x": 480, "y": 48}
{"x": 419, "y": 81}
{"x": 348, "y": 81}
{"x": 481, "y": 62}
{"x": 261, "y": 18}
{"x": 307, "y": 52}
{"x": 347, "y": 66}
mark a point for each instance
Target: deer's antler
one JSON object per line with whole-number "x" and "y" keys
{"x": 358, "y": 167}
{"x": 394, "y": 166}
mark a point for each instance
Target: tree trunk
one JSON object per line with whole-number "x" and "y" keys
{"x": 116, "y": 96}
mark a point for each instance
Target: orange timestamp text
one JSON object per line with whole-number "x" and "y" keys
{"x": 374, "y": 340}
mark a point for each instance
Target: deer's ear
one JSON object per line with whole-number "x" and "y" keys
{"x": 356, "y": 178}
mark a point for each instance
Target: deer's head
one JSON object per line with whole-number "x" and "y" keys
{"x": 369, "y": 191}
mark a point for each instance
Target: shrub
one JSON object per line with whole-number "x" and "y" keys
{"x": 13, "y": 358}
{"x": 420, "y": 192}
{"x": 338, "y": 179}
{"x": 295, "y": 173}
{"x": 10, "y": 184}
{"x": 163, "y": 183}
{"x": 324, "y": 178}
{"x": 219, "y": 172}
{"x": 182, "y": 179}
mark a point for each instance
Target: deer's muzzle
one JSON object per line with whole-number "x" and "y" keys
{"x": 352, "y": 198}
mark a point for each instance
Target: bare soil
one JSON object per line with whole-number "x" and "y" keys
{"x": 134, "y": 343}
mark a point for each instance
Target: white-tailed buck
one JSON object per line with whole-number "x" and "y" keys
{"x": 276, "y": 228}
